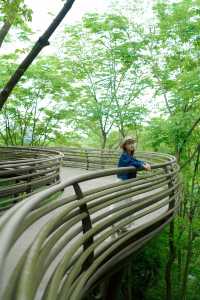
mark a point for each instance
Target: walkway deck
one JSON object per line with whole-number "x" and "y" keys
{"x": 29, "y": 235}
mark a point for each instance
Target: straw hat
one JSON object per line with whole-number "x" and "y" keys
{"x": 127, "y": 139}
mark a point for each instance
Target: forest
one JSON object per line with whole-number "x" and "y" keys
{"x": 107, "y": 76}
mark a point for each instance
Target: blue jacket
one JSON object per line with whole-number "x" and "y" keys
{"x": 127, "y": 160}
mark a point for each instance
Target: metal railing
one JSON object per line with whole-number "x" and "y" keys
{"x": 77, "y": 242}
{"x": 93, "y": 159}
{"x": 24, "y": 171}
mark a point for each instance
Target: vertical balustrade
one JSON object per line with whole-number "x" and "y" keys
{"x": 86, "y": 224}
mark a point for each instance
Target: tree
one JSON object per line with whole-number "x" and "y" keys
{"x": 39, "y": 45}
{"x": 13, "y": 13}
{"x": 174, "y": 53}
{"x": 39, "y": 109}
{"x": 104, "y": 53}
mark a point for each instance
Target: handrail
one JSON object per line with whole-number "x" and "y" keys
{"x": 92, "y": 159}
{"x": 23, "y": 171}
{"x": 77, "y": 243}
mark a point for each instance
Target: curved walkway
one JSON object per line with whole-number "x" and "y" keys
{"x": 57, "y": 244}
{"x": 28, "y": 236}
{"x": 24, "y": 171}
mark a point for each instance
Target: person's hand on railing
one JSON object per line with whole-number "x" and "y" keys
{"x": 147, "y": 167}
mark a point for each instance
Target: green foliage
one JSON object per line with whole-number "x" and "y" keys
{"x": 16, "y": 11}
{"x": 108, "y": 69}
{"x": 35, "y": 115}
{"x": 14, "y": 14}
{"x": 144, "y": 273}
{"x": 90, "y": 94}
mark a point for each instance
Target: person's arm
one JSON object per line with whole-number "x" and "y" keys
{"x": 127, "y": 161}
{"x": 139, "y": 164}
{"x": 144, "y": 165}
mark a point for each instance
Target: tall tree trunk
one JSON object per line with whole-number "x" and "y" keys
{"x": 104, "y": 140}
{"x": 40, "y": 44}
{"x": 193, "y": 206}
{"x": 179, "y": 257}
{"x": 113, "y": 286}
{"x": 187, "y": 263}
{"x": 123, "y": 134}
{"x": 129, "y": 271}
{"x": 8, "y": 23}
{"x": 171, "y": 258}
{"x": 4, "y": 31}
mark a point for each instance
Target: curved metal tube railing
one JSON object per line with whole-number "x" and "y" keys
{"x": 76, "y": 242}
{"x": 93, "y": 159}
{"x": 24, "y": 171}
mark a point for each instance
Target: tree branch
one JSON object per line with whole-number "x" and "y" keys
{"x": 192, "y": 157}
{"x": 4, "y": 31}
{"x": 188, "y": 134}
{"x": 40, "y": 44}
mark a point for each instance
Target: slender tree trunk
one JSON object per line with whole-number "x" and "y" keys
{"x": 4, "y": 31}
{"x": 130, "y": 296}
{"x": 104, "y": 139}
{"x": 123, "y": 134}
{"x": 8, "y": 23}
{"x": 171, "y": 258}
{"x": 40, "y": 44}
{"x": 136, "y": 132}
{"x": 113, "y": 286}
{"x": 187, "y": 263}
{"x": 4, "y": 138}
{"x": 121, "y": 131}
{"x": 193, "y": 206}
{"x": 10, "y": 136}
{"x": 34, "y": 123}
{"x": 179, "y": 257}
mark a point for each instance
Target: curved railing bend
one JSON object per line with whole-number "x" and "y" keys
{"x": 95, "y": 159}
{"x": 75, "y": 240}
{"x": 24, "y": 171}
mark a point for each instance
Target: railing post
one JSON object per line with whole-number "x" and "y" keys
{"x": 86, "y": 225}
{"x": 87, "y": 159}
{"x": 29, "y": 187}
{"x": 57, "y": 179}
{"x": 101, "y": 158}
{"x": 168, "y": 170}
{"x": 15, "y": 195}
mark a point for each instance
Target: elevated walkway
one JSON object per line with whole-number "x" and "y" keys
{"x": 60, "y": 242}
